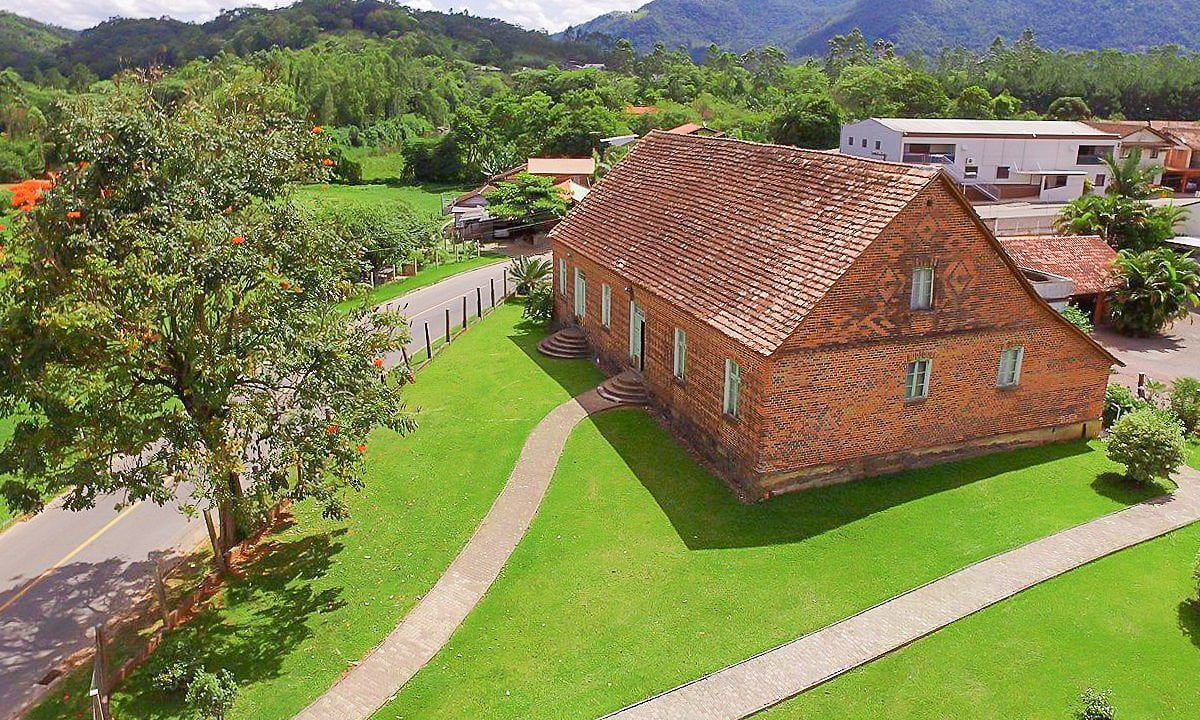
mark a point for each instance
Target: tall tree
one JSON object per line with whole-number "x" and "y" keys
{"x": 1128, "y": 178}
{"x": 168, "y": 325}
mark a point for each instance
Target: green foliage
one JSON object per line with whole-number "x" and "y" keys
{"x": 1149, "y": 443}
{"x": 1160, "y": 287}
{"x": 529, "y": 272}
{"x": 210, "y": 695}
{"x": 1127, "y": 177}
{"x": 812, "y": 121}
{"x": 1069, "y": 108}
{"x": 526, "y": 197}
{"x": 1077, "y": 317}
{"x": 194, "y": 336}
{"x": 539, "y": 304}
{"x": 1096, "y": 705}
{"x": 1125, "y": 223}
{"x": 1118, "y": 401}
{"x": 1185, "y": 403}
{"x": 974, "y": 102}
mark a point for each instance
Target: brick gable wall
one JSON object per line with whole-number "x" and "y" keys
{"x": 837, "y": 386}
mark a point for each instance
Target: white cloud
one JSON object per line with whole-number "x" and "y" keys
{"x": 551, "y": 15}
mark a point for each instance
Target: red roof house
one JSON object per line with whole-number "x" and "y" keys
{"x": 804, "y": 317}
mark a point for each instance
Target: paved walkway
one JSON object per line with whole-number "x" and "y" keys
{"x": 764, "y": 680}
{"x": 423, "y": 632}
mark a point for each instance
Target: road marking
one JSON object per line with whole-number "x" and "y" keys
{"x": 67, "y": 558}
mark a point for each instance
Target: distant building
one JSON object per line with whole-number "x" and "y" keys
{"x": 992, "y": 160}
{"x": 1066, "y": 269}
{"x": 804, "y": 317}
{"x": 695, "y": 129}
{"x": 573, "y": 176}
{"x": 1034, "y": 218}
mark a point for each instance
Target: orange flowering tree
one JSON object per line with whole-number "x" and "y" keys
{"x": 167, "y": 330}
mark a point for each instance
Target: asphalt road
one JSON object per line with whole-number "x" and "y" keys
{"x": 62, "y": 572}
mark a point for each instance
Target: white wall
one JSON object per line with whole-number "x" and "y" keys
{"x": 987, "y": 153}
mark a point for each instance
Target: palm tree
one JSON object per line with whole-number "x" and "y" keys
{"x": 529, "y": 273}
{"x": 1128, "y": 179}
{"x": 1161, "y": 286}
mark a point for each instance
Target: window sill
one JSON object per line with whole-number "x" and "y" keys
{"x": 916, "y": 400}
{"x": 1009, "y": 388}
{"x": 680, "y": 381}
{"x": 730, "y": 418}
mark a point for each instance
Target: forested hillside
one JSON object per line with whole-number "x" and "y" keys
{"x": 122, "y": 43}
{"x": 25, "y": 43}
{"x": 803, "y": 27}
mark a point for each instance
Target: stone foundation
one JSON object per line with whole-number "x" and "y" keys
{"x": 766, "y": 486}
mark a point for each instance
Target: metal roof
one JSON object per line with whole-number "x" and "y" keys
{"x": 1005, "y": 128}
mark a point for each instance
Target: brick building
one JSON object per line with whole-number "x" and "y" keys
{"x": 805, "y": 317}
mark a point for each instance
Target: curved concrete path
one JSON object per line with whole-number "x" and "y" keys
{"x": 752, "y": 685}
{"x": 429, "y": 625}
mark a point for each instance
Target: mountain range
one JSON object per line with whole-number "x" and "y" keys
{"x": 804, "y": 27}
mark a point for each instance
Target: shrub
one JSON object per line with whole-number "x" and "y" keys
{"x": 1148, "y": 442}
{"x": 1119, "y": 400}
{"x": 539, "y": 304}
{"x": 171, "y": 668}
{"x": 210, "y": 695}
{"x": 1097, "y": 705}
{"x": 529, "y": 272}
{"x": 1160, "y": 287}
{"x": 1185, "y": 403}
{"x": 1078, "y": 318}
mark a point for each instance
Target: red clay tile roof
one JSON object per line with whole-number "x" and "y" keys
{"x": 743, "y": 236}
{"x": 1086, "y": 259}
{"x": 641, "y": 109}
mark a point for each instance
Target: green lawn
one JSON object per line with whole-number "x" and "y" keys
{"x": 424, "y": 198}
{"x": 378, "y": 164}
{"x": 427, "y": 276}
{"x": 330, "y": 591}
{"x": 642, "y": 572}
{"x": 1129, "y": 622}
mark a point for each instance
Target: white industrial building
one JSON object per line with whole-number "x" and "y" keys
{"x": 993, "y": 160}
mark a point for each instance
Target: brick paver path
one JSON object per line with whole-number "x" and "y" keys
{"x": 430, "y": 624}
{"x": 776, "y": 675}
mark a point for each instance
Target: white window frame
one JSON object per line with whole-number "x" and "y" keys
{"x": 916, "y": 379}
{"x": 580, "y": 293}
{"x": 606, "y": 305}
{"x": 1008, "y": 374}
{"x": 679, "y": 359}
{"x": 562, "y": 277}
{"x": 732, "y": 397}
{"x": 922, "y": 288}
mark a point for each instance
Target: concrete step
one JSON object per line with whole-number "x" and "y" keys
{"x": 626, "y": 388}
{"x": 568, "y": 343}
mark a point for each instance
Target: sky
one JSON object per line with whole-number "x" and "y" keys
{"x": 551, "y": 15}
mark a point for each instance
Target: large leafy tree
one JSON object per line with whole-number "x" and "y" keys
{"x": 167, "y": 327}
{"x": 811, "y": 120}
{"x": 1161, "y": 286}
{"x": 526, "y": 197}
{"x": 1125, "y": 223}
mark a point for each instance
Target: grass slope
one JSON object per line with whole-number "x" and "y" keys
{"x": 330, "y": 591}
{"x": 1129, "y": 622}
{"x": 642, "y": 572}
{"x": 423, "y": 198}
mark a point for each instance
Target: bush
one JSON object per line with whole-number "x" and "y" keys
{"x": 1149, "y": 443}
{"x": 1160, "y": 287}
{"x": 171, "y": 669}
{"x": 210, "y": 695}
{"x": 1078, "y": 318}
{"x": 539, "y": 304}
{"x": 1185, "y": 403}
{"x": 1097, "y": 705}
{"x": 1119, "y": 400}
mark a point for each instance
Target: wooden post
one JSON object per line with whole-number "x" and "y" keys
{"x": 505, "y": 281}
{"x": 160, "y": 589}
{"x": 447, "y": 326}
{"x": 404, "y": 353}
{"x": 492, "y": 282}
{"x": 428, "y": 345}
{"x": 218, "y": 553}
{"x": 1141, "y": 389}
{"x": 99, "y": 689}
{"x": 478, "y": 302}
{"x": 464, "y": 327}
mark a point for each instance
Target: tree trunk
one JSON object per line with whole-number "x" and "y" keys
{"x": 231, "y": 535}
